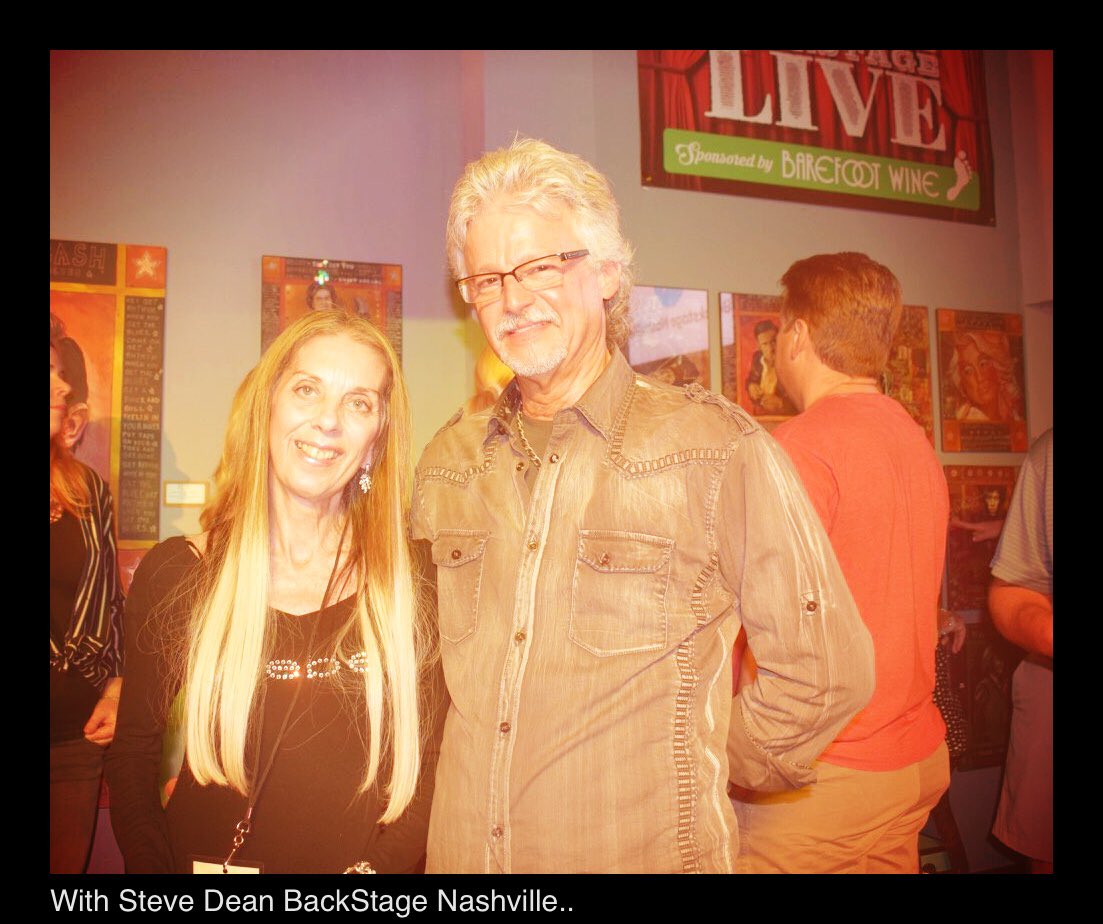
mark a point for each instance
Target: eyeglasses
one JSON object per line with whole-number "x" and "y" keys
{"x": 541, "y": 273}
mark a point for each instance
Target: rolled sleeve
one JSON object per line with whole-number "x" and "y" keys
{"x": 814, "y": 654}
{"x": 1024, "y": 556}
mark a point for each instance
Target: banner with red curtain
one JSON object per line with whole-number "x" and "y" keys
{"x": 893, "y": 130}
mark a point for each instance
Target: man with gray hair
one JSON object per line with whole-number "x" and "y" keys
{"x": 599, "y": 538}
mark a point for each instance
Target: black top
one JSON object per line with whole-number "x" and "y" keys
{"x": 72, "y": 697}
{"x": 308, "y": 817}
{"x": 86, "y": 611}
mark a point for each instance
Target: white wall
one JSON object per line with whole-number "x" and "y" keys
{"x": 225, "y": 156}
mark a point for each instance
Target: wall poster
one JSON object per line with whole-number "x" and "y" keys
{"x": 749, "y": 326}
{"x": 291, "y": 286}
{"x": 907, "y": 375}
{"x": 981, "y": 675}
{"x": 979, "y": 494}
{"x": 669, "y": 336}
{"x": 980, "y": 355}
{"x": 107, "y": 302}
{"x": 892, "y": 130}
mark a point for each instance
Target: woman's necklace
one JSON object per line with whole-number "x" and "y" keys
{"x": 56, "y": 511}
{"x": 243, "y": 827}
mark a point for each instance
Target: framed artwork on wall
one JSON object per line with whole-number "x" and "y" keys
{"x": 980, "y": 358}
{"x": 291, "y": 286}
{"x": 107, "y": 311}
{"x": 669, "y": 336}
{"x": 979, "y": 494}
{"x": 749, "y": 326}
{"x": 907, "y": 375}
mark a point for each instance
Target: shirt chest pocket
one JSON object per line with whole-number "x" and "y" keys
{"x": 458, "y": 555}
{"x": 618, "y": 599}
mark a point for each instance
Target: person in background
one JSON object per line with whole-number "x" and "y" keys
{"x": 293, "y": 624}
{"x": 86, "y": 608}
{"x": 491, "y": 378}
{"x": 598, "y": 538}
{"x": 881, "y": 493}
{"x": 1020, "y": 599}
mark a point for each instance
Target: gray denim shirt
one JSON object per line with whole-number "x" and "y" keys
{"x": 587, "y": 630}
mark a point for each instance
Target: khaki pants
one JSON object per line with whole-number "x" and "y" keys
{"x": 848, "y": 821}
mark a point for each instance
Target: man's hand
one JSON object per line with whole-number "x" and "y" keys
{"x": 982, "y": 532}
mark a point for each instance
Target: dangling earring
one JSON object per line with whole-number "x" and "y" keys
{"x": 365, "y": 480}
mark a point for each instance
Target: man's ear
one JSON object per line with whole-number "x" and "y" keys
{"x": 76, "y": 419}
{"x": 609, "y": 278}
{"x": 800, "y": 338}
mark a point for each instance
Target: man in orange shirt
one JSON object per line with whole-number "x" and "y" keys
{"x": 882, "y": 496}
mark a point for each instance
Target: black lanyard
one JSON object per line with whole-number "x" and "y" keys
{"x": 246, "y": 824}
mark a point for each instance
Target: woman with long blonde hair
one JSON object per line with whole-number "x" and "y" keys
{"x": 292, "y": 626}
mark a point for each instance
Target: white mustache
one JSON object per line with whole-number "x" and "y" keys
{"x": 512, "y": 322}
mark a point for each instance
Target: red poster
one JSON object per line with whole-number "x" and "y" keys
{"x": 979, "y": 494}
{"x": 907, "y": 375}
{"x": 749, "y": 326}
{"x": 371, "y": 290}
{"x": 107, "y": 308}
{"x": 980, "y": 356}
{"x": 892, "y": 130}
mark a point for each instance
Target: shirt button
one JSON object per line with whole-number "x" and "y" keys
{"x": 496, "y": 831}
{"x": 456, "y": 553}
{"x": 533, "y": 545}
{"x": 811, "y": 606}
{"x": 554, "y": 457}
{"x": 519, "y": 637}
{"x": 604, "y": 560}
{"x": 504, "y": 728}
{"x": 520, "y": 466}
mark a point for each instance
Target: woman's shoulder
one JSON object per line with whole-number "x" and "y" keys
{"x": 176, "y": 551}
{"x": 164, "y": 567}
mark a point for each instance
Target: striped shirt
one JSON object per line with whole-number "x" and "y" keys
{"x": 93, "y": 641}
{"x": 1025, "y": 554}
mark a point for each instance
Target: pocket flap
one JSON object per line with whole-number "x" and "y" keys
{"x": 612, "y": 551}
{"x": 450, "y": 550}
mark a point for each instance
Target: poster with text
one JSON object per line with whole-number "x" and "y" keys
{"x": 907, "y": 375}
{"x": 891, "y": 130}
{"x": 979, "y": 496}
{"x": 107, "y": 313}
{"x": 291, "y": 286}
{"x": 669, "y": 336}
{"x": 980, "y": 358}
{"x": 749, "y": 326}
{"x": 981, "y": 674}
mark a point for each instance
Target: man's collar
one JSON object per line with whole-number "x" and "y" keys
{"x": 599, "y": 405}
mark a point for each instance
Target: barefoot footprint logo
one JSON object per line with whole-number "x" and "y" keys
{"x": 963, "y": 175}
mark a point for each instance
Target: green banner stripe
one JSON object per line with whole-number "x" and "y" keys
{"x": 801, "y": 166}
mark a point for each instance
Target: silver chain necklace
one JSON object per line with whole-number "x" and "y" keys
{"x": 524, "y": 440}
